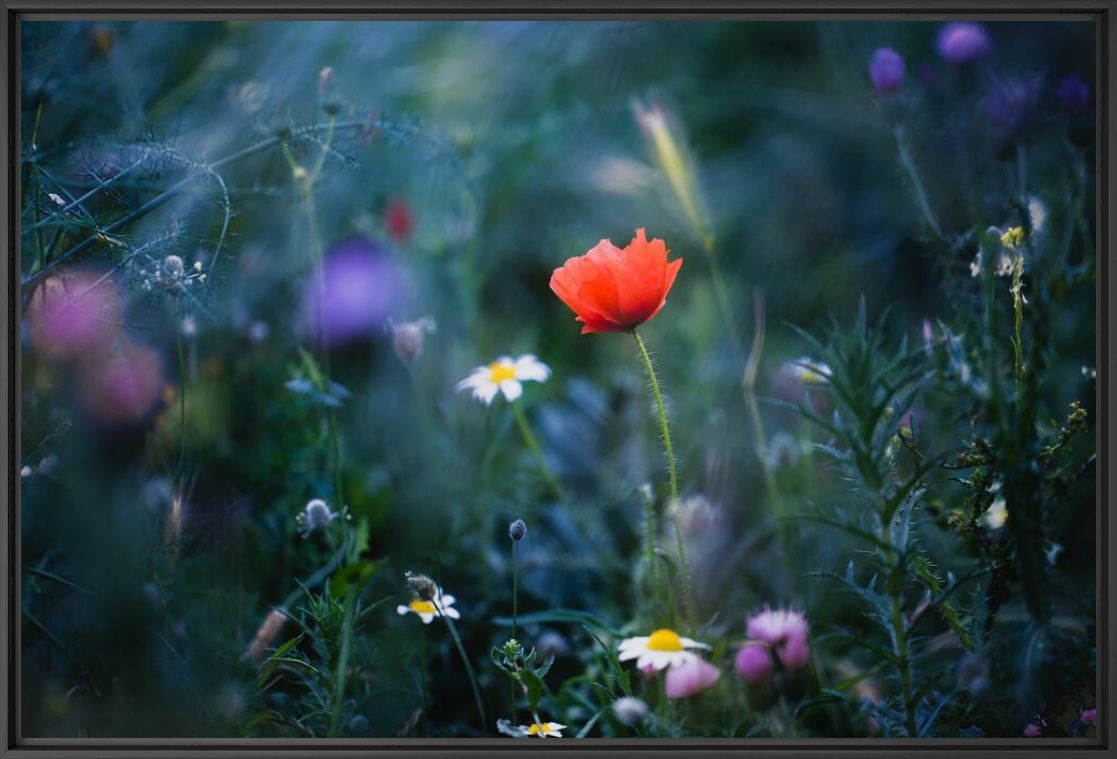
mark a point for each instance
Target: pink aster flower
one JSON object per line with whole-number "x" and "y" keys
{"x": 690, "y": 678}
{"x": 785, "y": 631}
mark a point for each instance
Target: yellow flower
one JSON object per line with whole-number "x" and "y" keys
{"x": 1012, "y": 237}
{"x": 544, "y": 729}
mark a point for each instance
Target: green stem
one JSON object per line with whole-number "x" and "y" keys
{"x": 673, "y": 482}
{"x": 536, "y": 450}
{"x": 1018, "y": 319}
{"x": 181, "y": 407}
{"x": 908, "y": 164}
{"x": 465, "y": 660}
{"x": 342, "y": 668}
{"x": 515, "y": 587}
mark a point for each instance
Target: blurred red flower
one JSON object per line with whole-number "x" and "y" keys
{"x": 399, "y": 221}
{"x": 616, "y": 290}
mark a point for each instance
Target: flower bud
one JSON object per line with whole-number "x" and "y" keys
{"x": 630, "y": 710}
{"x": 408, "y": 338}
{"x": 422, "y": 586}
{"x": 754, "y": 662}
{"x": 886, "y": 70}
{"x": 517, "y": 530}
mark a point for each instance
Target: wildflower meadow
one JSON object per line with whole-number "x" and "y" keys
{"x": 557, "y": 380}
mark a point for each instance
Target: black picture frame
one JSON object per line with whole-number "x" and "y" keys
{"x": 1102, "y": 13}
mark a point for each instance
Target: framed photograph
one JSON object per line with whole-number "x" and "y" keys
{"x": 400, "y": 379}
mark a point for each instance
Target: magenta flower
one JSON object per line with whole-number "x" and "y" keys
{"x": 754, "y": 662}
{"x": 963, "y": 42}
{"x": 886, "y": 70}
{"x": 1089, "y": 717}
{"x": 74, "y": 315}
{"x": 358, "y": 288}
{"x": 785, "y": 631}
{"x": 690, "y": 678}
{"x": 1033, "y": 730}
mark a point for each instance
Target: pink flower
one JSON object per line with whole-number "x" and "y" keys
{"x": 785, "y": 630}
{"x": 1089, "y": 717}
{"x": 1033, "y": 730}
{"x": 690, "y": 678}
{"x": 126, "y": 386}
{"x": 74, "y": 314}
{"x": 754, "y": 662}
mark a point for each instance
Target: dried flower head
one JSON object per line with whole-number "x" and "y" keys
{"x": 408, "y": 338}
{"x": 423, "y": 587}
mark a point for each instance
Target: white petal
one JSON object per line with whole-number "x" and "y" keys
{"x": 511, "y": 389}
{"x": 401, "y": 609}
{"x": 641, "y": 643}
{"x": 427, "y": 618}
{"x": 476, "y": 377}
{"x": 486, "y": 392}
{"x": 448, "y": 600}
{"x": 688, "y": 643}
{"x": 451, "y": 613}
{"x": 528, "y": 367}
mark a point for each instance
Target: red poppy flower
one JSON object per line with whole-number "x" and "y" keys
{"x": 616, "y": 290}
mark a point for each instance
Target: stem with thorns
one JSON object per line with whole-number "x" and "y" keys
{"x": 673, "y": 482}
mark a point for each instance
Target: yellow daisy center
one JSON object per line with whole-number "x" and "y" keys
{"x": 539, "y": 728}
{"x": 422, "y": 607}
{"x": 665, "y": 640}
{"x": 499, "y": 371}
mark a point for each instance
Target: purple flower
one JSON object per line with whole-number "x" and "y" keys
{"x": 963, "y": 42}
{"x": 126, "y": 386}
{"x": 1089, "y": 717}
{"x": 1074, "y": 94}
{"x": 1033, "y": 730}
{"x": 886, "y": 69}
{"x": 690, "y": 678}
{"x": 358, "y": 288}
{"x": 1012, "y": 101}
{"x": 754, "y": 662}
{"x": 74, "y": 315}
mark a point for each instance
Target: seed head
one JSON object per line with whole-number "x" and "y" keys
{"x": 517, "y": 530}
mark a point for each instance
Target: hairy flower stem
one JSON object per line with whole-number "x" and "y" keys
{"x": 515, "y": 611}
{"x": 1018, "y": 319}
{"x": 305, "y": 182}
{"x": 908, "y": 164}
{"x": 673, "y": 483}
{"x": 465, "y": 660}
{"x": 181, "y": 407}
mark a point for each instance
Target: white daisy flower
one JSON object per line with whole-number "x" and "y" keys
{"x": 505, "y": 375}
{"x": 544, "y": 729}
{"x": 428, "y": 610}
{"x": 807, "y": 370}
{"x": 663, "y": 648}
{"x": 997, "y": 515}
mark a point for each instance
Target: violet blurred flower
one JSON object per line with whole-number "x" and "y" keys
{"x": 963, "y": 42}
{"x": 359, "y": 286}
{"x": 754, "y": 662}
{"x": 74, "y": 315}
{"x": 785, "y": 630}
{"x": 886, "y": 70}
{"x": 1089, "y": 717}
{"x": 1033, "y": 730}
{"x": 1074, "y": 94}
{"x": 1012, "y": 101}
{"x": 126, "y": 386}
{"x": 690, "y": 678}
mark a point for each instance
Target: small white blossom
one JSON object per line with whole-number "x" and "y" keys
{"x": 316, "y": 515}
{"x": 505, "y": 375}
{"x": 440, "y": 604}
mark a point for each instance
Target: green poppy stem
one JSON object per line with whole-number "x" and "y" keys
{"x": 673, "y": 483}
